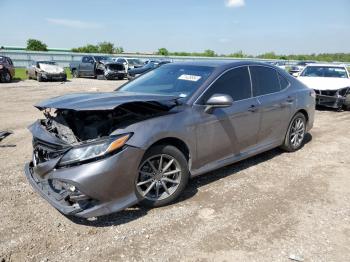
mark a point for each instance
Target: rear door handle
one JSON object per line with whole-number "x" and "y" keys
{"x": 253, "y": 108}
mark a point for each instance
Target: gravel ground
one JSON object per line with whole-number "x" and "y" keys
{"x": 269, "y": 208}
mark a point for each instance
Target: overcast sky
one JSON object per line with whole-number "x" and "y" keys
{"x": 226, "y": 26}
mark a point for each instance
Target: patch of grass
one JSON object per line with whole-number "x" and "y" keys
{"x": 21, "y": 74}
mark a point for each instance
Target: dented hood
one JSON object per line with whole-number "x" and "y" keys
{"x": 325, "y": 83}
{"x": 51, "y": 69}
{"x": 100, "y": 101}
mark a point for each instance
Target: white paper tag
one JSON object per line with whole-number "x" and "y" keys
{"x": 190, "y": 78}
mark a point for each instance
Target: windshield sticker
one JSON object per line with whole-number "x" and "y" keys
{"x": 183, "y": 95}
{"x": 190, "y": 78}
{"x": 339, "y": 70}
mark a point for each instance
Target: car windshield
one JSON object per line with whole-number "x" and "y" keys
{"x": 47, "y": 62}
{"x": 176, "y": 80}
{"x": 103, "y": 58}
{"x": 325, "y": 71}
{"x": 134, "y": 61}
{"x": 2, "y": 59}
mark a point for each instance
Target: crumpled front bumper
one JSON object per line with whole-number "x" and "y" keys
{"x": 114, "y": 74}
{"x": 108, "y": 184}
{"x": 333, "y": 100}
{"x": 51, "y": 76}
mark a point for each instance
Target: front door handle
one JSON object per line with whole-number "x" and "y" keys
{"x": 290, "y": 99}
{"x": 253, "y": 108}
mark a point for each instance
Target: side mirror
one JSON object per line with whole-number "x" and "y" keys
{"x": 218, "y": 101}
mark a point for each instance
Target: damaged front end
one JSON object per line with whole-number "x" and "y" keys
{"x": 79, "y": 165}
{"x": 334, "y": 98}
{"x": 111, "y": 70}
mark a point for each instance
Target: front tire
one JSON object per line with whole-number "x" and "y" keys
{"x": 294, "y": 139}
{"x": 75, "y": 73}
{"x": 6, "y": 77}
{"x": 39, "y": 77}
{"x": 162, "y": 177}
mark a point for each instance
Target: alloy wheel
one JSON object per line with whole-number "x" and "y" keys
{"x": 297, "y": 132}
{"x": 159, "y": 177}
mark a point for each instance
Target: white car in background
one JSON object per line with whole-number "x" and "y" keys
{"x": 129, "y": 63}
{"x": 331, "y": 83}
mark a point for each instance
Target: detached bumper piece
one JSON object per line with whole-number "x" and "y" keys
{"x": 64, "y": 197}
{"x": 333, "y": 98}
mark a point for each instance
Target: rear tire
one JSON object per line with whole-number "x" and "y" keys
{"x": 161, "y": 182}
{"x": 294, "y": 139}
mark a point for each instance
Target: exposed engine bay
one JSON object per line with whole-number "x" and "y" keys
{"x": 76, "y": 126}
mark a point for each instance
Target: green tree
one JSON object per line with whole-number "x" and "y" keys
{"x": 163, "y": 51}
{"x": 106, "y": 48}
{"x": 86, "y": 49}
{"x": 119, "y": 50}
{"x": 238, "y": 54}
{"x": 36, "y": 45}
{"x": 209, "y": 53}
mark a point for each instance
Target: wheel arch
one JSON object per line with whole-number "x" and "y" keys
{"x": 176, "y": 142}
{"x": 304, "y": 112}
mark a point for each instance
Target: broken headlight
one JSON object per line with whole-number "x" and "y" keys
{"x": 93, "y": 150}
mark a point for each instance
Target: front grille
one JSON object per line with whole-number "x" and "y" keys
{"x": 116, "y": 67}
{"x": 43, "y": 152}
{"x": 328, "y": 92}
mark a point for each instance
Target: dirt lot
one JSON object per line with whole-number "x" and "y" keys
{"x": 263, "y": 209}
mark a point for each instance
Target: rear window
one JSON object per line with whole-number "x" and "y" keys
{"x": 265, "y": 80}
{"x": 283, "y": 82}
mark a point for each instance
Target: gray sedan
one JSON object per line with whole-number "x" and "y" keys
{"x": 98, "y": 153}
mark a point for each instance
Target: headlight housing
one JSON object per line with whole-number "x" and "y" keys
{"x": 94, "y": 150}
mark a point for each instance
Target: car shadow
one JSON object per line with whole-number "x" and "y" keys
{"x": 135, "y": 212}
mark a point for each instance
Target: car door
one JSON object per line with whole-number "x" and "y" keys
{"x": 275, "y": 104}
{"x": 227, "y": 132}
{"x": 87, "y": 66}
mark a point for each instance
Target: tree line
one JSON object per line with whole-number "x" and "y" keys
{"x": 110, "y": 48}
{"x": 326, "y": 57}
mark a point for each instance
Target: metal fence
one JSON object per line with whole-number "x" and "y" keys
{"x": 22, "y": 58}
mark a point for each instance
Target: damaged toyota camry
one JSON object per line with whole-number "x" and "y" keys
{"x": 99, "y": 153}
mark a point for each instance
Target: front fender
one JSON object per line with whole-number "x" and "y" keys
{"x": 175, "y": 125}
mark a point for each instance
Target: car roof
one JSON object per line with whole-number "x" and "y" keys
{"x": 326, "y": 65}
{"x": 44, "y": 61}
{"x": 220, "y": 63}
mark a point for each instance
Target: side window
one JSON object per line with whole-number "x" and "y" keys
{"x": 85, "y": 59}
{"x": 284, "y": 83}
{"x": 235, "y": 83}
{"x": 264, "y": 79}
